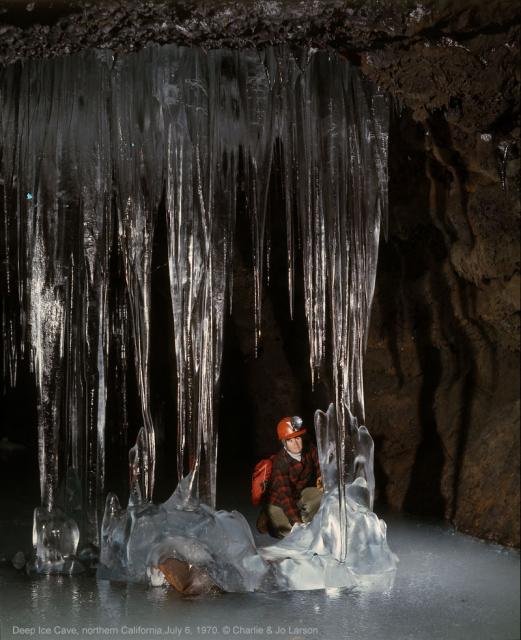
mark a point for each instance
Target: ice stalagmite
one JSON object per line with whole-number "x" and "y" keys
{"x": 334, "y": 550}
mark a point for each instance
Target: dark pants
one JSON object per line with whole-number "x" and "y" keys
{"x": 278, "y": 523}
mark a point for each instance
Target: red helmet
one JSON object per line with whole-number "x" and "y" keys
{"x": 290, "y": 427}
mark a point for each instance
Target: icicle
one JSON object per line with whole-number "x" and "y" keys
{"x": 137, "y": 150}
{"x": 301, "y": 148}
{"x": 95, "y": 178}
{"x": 120, "y": 334}
{"x": 9, "y": 265}
{"x": 288, "y": 135}
{"x": 62, "y": 169}
{"x": 203, "y": 136}
{"x": 173, "y": 121}
{"x": 139, "y": 470}
{"x": 258, "y": 137}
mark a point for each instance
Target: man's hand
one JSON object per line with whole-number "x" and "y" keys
{"x": 320, "y": 486}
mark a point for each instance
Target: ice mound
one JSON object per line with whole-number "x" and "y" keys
{"x": 343, "y": 546}
{"x": 136, "y": 540}
{"x": 55, "y": 540}
{"x": 308, "y": 557}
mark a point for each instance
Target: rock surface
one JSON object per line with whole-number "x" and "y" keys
{"x": 442, "y": 369}
{"x": 57, "y": 27}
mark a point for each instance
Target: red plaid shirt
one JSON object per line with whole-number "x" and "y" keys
{"x": 289, "y": 477}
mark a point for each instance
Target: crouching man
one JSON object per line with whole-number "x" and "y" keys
{"x": 295, "y": 488}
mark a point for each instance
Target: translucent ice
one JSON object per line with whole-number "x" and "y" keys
{"x": 203, "y": 139}
{"x": 333, "y": 550}
{"x": 345, "y": 544}
{"x": 55, "y": 540}
{"x": 137, "y": 152}
{"x": 57, "y": 216}
{"x": 141, "y": 537}
{"x": 135, "y": 541}
{"x": 139, "y": 469}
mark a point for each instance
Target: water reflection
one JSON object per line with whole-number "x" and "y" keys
{"x": 468, "y": 585}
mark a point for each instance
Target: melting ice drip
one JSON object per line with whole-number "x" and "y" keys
{"x": 178, "y": 123}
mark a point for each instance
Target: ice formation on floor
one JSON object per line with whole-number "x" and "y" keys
{"x": 137, "y": 540}
{"x": 55, "y": 539}
{"x": 92, "y": 148}
{"x": 345, "y": 545}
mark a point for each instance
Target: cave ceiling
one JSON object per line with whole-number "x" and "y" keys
{"x": 431, "y": 55}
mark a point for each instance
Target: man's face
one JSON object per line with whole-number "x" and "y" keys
{"x": 294, "y": 445}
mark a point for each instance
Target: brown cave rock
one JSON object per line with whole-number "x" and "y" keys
{"x": 442, "y": 368}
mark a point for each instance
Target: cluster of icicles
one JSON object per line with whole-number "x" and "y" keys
{"x": 91, "y": 147}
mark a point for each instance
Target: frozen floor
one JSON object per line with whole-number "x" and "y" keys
{"x": 448, "y": 586}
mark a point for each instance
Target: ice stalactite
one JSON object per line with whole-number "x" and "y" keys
{"x": 257, "y": 78}
{"x": 335, "y": 157}
{"x": 332, "y": 128}
{"x": 334, "y": 133}
{"x": 138, "y": 152}
{"x": 9, "y": 249}
{"x": 202, "y": 163}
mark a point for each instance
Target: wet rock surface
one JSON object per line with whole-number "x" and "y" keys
{"x": 442, "y": 368}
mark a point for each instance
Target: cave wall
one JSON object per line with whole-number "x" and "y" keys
{"x": 442, "y": 370}
{"x": 442, "y": 366}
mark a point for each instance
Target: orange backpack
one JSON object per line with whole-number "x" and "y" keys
{"x": 260, "y": 479}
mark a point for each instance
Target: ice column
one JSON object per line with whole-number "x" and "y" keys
{"x": 202, "y": 159}
{"x": 334, "y": 133}
{"x": 61, "y": 178}
{"x": 138, "y": 143}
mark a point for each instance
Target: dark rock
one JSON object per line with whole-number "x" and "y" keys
{"x": 188, "y": 579}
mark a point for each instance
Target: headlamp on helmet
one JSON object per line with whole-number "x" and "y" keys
{"x": 290, "y": 427}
